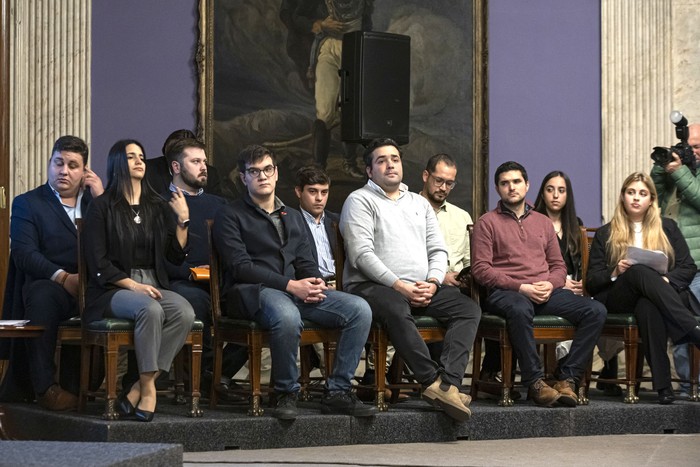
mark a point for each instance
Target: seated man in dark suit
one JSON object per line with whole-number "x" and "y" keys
{"x": 158, "y": 171}
{"x": 312, "y": 188}
{"x": 270, "y": 277}
{"x": 189, "y": 168}
{"x": 43, "y": 278}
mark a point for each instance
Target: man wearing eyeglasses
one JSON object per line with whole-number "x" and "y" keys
{"x": 270, "y": 276}
{"x": 439, "y": 178}
{"x": 396, "y": 260}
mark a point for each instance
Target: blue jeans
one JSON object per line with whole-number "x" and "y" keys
{"x": 282, "y": 314}
{"x": 681, "y": 354}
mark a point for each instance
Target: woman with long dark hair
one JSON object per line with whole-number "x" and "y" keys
{"x": 556, "y": 201}
{"x": 659, "y": 298}
{"x": 129, "y": 232}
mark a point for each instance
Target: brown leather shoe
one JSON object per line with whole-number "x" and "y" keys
{"x": 58, "y": 399}
{"x": 567, "y": 392}
{"x": 542, "y": 394}
{"x": 448, "y": 398}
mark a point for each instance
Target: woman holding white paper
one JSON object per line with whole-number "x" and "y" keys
{"x": 660, "y": 302}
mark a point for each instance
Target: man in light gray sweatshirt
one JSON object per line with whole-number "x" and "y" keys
{"x": 396, "y": 260}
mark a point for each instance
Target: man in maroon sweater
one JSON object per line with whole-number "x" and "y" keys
{"x": 516, "y": 255}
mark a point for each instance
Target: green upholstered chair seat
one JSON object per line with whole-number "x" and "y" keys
{"x": 126, "y": 325}
{"x": 620, "y": 319}
{"x": 540, "y": 321}
{"x": 427, "y": 322}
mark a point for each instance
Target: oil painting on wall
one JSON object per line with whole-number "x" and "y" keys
{"x": 255, "y": 87}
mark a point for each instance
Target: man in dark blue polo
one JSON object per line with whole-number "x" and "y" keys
{"x": 188, "y": 164}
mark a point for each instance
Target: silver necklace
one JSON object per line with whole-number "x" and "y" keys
{"x": 137, "y": 218}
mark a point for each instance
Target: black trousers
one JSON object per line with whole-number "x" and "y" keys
{"x": 660, "y": 311}
{"x": 519, "y": 311}
{"x": 458, "y": 312}
{"x": 47, "y": 303}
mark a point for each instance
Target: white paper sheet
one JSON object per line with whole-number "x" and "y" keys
{"x": 655, "y": 259}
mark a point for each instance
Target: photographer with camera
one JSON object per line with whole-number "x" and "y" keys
{"x": 678, "y": 187}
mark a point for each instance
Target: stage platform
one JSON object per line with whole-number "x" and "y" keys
{"x": 413, "y": 421}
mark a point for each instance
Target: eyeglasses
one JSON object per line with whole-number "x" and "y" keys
{"x": 438, "y": 182}
{"x": 255, "y": 172}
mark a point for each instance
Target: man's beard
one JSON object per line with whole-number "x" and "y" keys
{"x": 194, "y": 182}
{"x": 435, "y": 197}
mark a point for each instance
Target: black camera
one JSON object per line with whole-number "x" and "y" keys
{"x": 663, "y": 156}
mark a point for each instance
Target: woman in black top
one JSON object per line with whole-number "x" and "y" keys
{"x": 129, "y": 232}
{"x": 659, "y": 298}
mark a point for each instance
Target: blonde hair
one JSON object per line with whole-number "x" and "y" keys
{"x": 621, "y": 232}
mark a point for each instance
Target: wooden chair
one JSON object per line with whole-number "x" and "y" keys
{"x": 112, "y": 335}
{"x": 69, "y": 333}
{"x": 429, "y": 328}
{"x": 548, "y": 329}
{"x": 619, "y": 326}
{"x": 623, "y": 326}
{"x": 250, "y": 334}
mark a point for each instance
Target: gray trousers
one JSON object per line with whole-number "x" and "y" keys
{"x": 160, "y": 326}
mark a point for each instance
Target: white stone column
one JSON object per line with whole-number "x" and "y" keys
{"x": 685, "y": 59}
{"x": 636, "y": 98}
{"x": 50, "y": 81}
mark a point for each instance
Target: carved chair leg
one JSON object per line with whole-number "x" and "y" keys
{"x": 506, "y": 370}
{"x": 632, "y": 364}
{"x": 111, "y": 356}
{"x": 380, "y": 348}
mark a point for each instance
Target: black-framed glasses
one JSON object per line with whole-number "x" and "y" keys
{"x": 255, "y": 172}
{"x": 438, "y": 182}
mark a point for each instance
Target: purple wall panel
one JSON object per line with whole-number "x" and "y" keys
{"x": 143, "y": 73}
{"x": 544, "y": 94}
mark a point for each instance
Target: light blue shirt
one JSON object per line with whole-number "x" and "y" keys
{"x": 326, "y": 263}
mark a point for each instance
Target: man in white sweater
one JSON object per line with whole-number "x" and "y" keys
{"x": 396, "y": 260}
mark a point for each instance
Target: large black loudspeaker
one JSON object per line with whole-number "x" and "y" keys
{"x": 375, "y": 86}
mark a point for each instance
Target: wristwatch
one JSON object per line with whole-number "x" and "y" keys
{"x": 437, "y": 284}
{"x": 184, "y": 224}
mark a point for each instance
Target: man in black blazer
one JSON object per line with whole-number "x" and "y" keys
{"x": 42, "y": 284}
{"x": 270, "y": 277}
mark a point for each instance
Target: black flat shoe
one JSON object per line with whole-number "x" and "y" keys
{"x": 666, "y": 396}
{"x": 124, "y": 406}
{"x": 142, "y": 415}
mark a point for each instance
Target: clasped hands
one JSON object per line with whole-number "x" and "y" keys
{"x": 538, "y": 292}
{"x": 419, "y": 294}
{"x": 310, "y": 290}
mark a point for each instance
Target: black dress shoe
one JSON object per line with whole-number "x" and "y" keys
{"x": 226, "y": 394}
{"x": 142, "y": 415}
{"x": 124, "y": 406}
{"x": 666, "y": 396}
